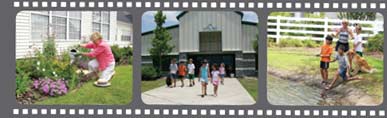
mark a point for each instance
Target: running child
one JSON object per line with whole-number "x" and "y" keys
{"x": 204, "y": 75}
{"x": 191, "y": 72}
{"x": 344, "y": 66}
{"x": 325, "y": 54}
{"x": 182, "y": 72}
{"x": 358, "y": 42}
{"x": 172, "y": 71}
{"x": 222, "y": 71}
{"x": 215, "y": 78}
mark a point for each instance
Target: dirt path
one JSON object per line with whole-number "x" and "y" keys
{"x": 342, "y": 94}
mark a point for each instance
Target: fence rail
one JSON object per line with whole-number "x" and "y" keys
{"x": 314, "y": 28}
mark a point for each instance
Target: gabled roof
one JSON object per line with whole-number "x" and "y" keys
{"x": 167, "y": 27}
{"x": 185, "y": 12}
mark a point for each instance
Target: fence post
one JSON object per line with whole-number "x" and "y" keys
{"x": 278, "y": 28}
{"x": 375, "y": 28}
{"x": 326, "y": 25}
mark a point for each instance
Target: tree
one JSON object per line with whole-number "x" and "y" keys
{"x": 357, "y": 15}
{"x": 160, "y": 42}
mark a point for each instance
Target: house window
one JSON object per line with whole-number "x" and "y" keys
{"x": 126, "y": 35}
{"x": 59, "y": 22}
{"x": 39, "y": 26}
{"x": 74, "y": 25}
{"x": 64, "y": 25}
{"x": 101, "y": 23}
{"x": 126, "y": 38}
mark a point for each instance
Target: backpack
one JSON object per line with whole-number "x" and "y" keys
{"x": 168, "y": 81}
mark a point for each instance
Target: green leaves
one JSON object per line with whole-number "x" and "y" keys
{"x": 357, "y": 15}
{"x": 161, "y": 41}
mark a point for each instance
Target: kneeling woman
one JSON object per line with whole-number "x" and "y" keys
{"x": 103, "y": 58}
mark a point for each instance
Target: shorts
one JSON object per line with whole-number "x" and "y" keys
{"x": 222, "y": 75}
{"x": 173, "y": 76}
{"x": 324, "y": 65}
{"x": 215, "y": 83}
{"x": 346, "y": 46}
{"x": 359, "y": 53}
{"x": 181, "y": 76}
{"x": 191, "y": 76}
{"x": 343, "y": 73}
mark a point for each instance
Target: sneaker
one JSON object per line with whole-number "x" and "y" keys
{"x": 202, "y": 96}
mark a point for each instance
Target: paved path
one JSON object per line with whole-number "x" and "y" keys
{"x": 231, "y": 93}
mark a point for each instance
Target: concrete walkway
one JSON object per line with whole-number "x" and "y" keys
{"x": 231, "y": 93}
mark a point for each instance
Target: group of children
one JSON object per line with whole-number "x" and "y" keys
{"x": 215, "y": 75}
{"x": 342, "y": 47}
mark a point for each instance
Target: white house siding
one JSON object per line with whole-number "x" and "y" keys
{"x": 249, "y": 34}
{"x": 23, "y": 35}
{"x": 146, "y": 41}
{"x": 24, "y": 41}
{"x": 194, "y": 22}
{"x": 124, "y": 28}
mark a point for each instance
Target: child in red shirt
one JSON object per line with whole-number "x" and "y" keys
{"x": 325, "y": 54}
{"x": 182, "y": 71}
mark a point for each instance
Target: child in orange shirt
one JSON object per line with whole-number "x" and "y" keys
{"x": 182, "y": 71}
{"x": 325, "y": 54}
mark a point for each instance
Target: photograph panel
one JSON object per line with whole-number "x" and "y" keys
{"x": 199, "y": 57}
{"x": 73, "y": 57}
{"x": 325, "y": 58}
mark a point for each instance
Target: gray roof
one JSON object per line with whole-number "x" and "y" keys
{"x": 124, "y": 16}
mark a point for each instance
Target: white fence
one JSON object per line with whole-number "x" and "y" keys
{"x": 280, "y": 27}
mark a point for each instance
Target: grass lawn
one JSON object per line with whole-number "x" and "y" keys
{"x": 251, "y": 85}
{"x": 119, "y": 93}
{"x": 303, "y": 60}
{"x": 152, "y": 84}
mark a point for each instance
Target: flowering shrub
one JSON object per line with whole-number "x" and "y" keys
{"x": 47, "y": 86}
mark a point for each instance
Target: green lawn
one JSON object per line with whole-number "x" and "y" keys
{"x": 152, "y": 84}
{"x": 119, "y": 93}
{"x": 251, "y": 85}
{"x": 303, "y": 60}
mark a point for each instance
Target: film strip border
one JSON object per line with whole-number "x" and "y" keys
{"x": 199, "y": 5}
{"x": 201, "y": 112}
{"x": 182, "y": 4}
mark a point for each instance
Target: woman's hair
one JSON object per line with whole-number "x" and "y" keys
{"x": 345, "y": 21}
{"x": 358, "y": 27}
{"x": 96, "y": 35}
{"x": 215, "y": 66}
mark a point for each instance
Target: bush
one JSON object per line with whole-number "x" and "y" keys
{"x": 122, "y": 55}
{"x": 23, "y": 83}
{"x": 148, "y": 73}
{"x": 375, "y": 43}
{"x": 290, "y": 43}
{"x": 310, "y": 43}
{"x": 49, "y": 48}
{"x": 47, "y": 86}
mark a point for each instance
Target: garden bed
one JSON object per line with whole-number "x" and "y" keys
{"x": 44, "y": 74}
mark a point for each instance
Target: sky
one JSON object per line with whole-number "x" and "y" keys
{"x": 148, "y": 19}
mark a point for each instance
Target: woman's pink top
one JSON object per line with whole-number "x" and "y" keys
{"x": 102, "y": 52}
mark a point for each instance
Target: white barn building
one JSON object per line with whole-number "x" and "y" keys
{"x": 70, "y": 28}
{"x": 217, "y": 36}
